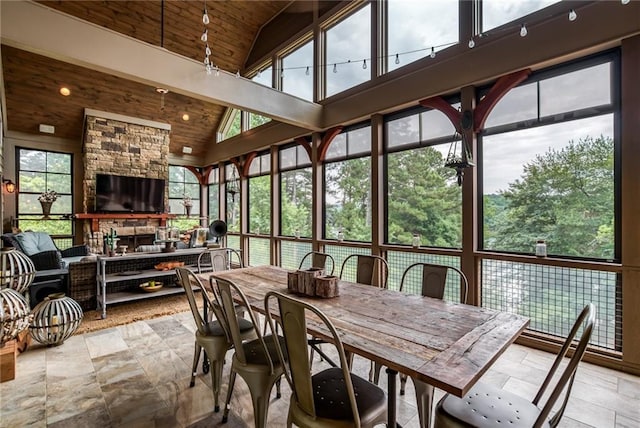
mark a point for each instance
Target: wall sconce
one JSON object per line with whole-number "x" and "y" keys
{"x": 9, "y": 185}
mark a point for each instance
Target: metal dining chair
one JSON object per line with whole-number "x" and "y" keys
{"x": 432, "y": 283}
{"x": 213, "y": 260}
{"x": 318, "y": 259}
{"x": 333, "y": 397}
{"x": 256, "y": 361}
{"x": 367, "y": 266}
{"x": 488, "y": 406}
{"x": 211, "y": 335}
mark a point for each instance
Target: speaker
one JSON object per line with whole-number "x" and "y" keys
{"x": 218, "y": 229}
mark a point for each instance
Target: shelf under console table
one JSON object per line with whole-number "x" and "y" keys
{"x": 119, "y": 277}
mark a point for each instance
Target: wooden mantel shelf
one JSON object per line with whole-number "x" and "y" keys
{"x": 96, "y": 217}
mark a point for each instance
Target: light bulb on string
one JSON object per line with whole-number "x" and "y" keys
{"x": 397, "y": 59}
{"x": 205, "y": 17}
{"x": 207, "y": 50}
{"x": 335, "y": 68}
{"x": 433, "y": 52}
{"x": 204, "y": 36}
{"x": 306, "y": 73}
{"x": 472, "y": 44}
{"x": 208, "y": 69}
{"x": 364, "y": 64}
{"x": 217, "y": 71}
{"x": 523, "y": 31}
{"x": 625, "y": 1}
{"x": 206, "y": 60}
{"x": 572, "y": 15}
{"x": 238, "y": 74}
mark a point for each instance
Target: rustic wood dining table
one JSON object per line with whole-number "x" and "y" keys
{"x": 448, "y": 345}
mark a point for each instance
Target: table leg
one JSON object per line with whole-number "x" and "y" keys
{"x": 391, "y": 398}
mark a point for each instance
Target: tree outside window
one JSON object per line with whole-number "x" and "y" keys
{"x": 40, "y": 171}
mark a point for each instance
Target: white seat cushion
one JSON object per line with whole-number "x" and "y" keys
{"x": 35, "y": 242}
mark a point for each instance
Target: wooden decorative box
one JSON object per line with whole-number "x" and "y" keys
{"x": 327, "y": 286}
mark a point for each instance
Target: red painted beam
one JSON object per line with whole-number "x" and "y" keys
{"x": 327, "y": 138}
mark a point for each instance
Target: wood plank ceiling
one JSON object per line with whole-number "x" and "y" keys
{"x": 32, "y": 81}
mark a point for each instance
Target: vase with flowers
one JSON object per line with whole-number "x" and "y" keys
{"x": 187, "y": 202}
{"x": 46, "y": 200}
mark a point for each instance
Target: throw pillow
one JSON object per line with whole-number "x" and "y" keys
{"x": 35, "y": 242}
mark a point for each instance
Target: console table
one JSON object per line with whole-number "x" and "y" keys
{"x": 124, "y": 274}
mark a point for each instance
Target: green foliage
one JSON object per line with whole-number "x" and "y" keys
{"x": 256, "y": 120}
{"x": 565, "y": 197}
{"x": 296, "y": 199}
{"x": 424, "y": 198}
{"x": 348, "y": 199}
{"x": 260, "y": 204}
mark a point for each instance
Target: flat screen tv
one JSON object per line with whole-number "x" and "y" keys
{"x": 115, "y": 193}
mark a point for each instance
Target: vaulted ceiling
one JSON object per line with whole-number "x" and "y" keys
{"x": 32, "y": 81}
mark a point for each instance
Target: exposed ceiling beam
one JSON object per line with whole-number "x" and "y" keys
{"x": 39, "y": 29}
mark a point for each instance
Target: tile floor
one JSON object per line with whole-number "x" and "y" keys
{"x": 138, "y": 375}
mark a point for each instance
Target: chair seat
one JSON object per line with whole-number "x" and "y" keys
{"x": 215, "y": 329}
{"x": 254, "y": 352}
{"x": 486, "y": 406}
{"x": 332, "y": 399}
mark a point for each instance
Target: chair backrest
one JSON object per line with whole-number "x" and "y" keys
{"x": 226, "y": 292}
{"x": 293, "y": 320}
{"x": 187, "y": 280}
{"x": 366, "y": 268}
{"x": 233, "y": 253}
{"x": 565, "y": 381}
{"x": 434, "y": 280}
{"x": 319, "y": 260}
{"x": 213, "y": 259}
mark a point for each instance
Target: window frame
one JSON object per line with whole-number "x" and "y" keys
{"x": 614, "y": 57}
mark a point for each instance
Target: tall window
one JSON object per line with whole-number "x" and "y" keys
{"x": 348, "y": 44}
{"x": 183, "y": 186}
{"x": 498, "y": 12}
{"x": 347, "y": 186}
{"x": 414, "y": 27}
{"x": 214, "y": 195}
{"x": 297, "y": 72}
{"x": 260, "y": 195}
{"x": 296, "y": 192}
{"x": 423, "y": 196}
{"x": 232, "y": 125}
{"x": 232, "y": 181}
{"x": 548, "y": 164}
{"x": 264, "y": 78}
{"x": 38, "y": 172}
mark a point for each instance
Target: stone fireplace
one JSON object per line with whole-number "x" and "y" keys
{"x": 120, "y": 145}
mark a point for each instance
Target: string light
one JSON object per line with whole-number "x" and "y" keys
{"x": 433, "y": 52}
{"x": 572, "y": 15}
{"x": 238, "y": 74}
{"x": 472, "y": 44}
{"x": 335, "y": 68}
{"x": 217, "y": 71}
{"x": 397, "y": 59}
{"x": 204, "y": 36}
{"x": 625, "y": 1}
{"x": 523, "y": 31}
{"x": 364, "y": 64}
{"x": 306, "y": 73}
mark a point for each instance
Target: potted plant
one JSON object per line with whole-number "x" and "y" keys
{"x": 46, "y": 200}
{"x": 188, "y": 203}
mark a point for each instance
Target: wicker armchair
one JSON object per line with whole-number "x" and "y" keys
{"x": 49, "y": 258}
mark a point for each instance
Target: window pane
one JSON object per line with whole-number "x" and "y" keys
{"x": 184, "y": 188}
{"x": 554, "y": 183}
{"x": 260, "y": 204}
{"x": 581, "y": 89}
{"x": 264, "y": 76}
{"x": 235, "y": 124}
{"x": 518, "y": 105}
{"x": 233, "y": 213}
{"x": 288, "y": 157}
{"x": 405, "y": 130}
{"x": 295, "y": 78}
{"x": 498, "y": 12}
{"x": 349, "y": 40}
{"x": 338, "y": 147}
{"x": 359, "y": 141}
{"x": 423, "y": 198}
{"x": 33, "y": 160}
{"x": 348, "y": 199}
{"x": 418, "y": 25}
{"x": 256, "y": 120}
{"x": 295, "y": 205}
{"x": 436, "y": 125}
{"x": 214, "y": 204}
